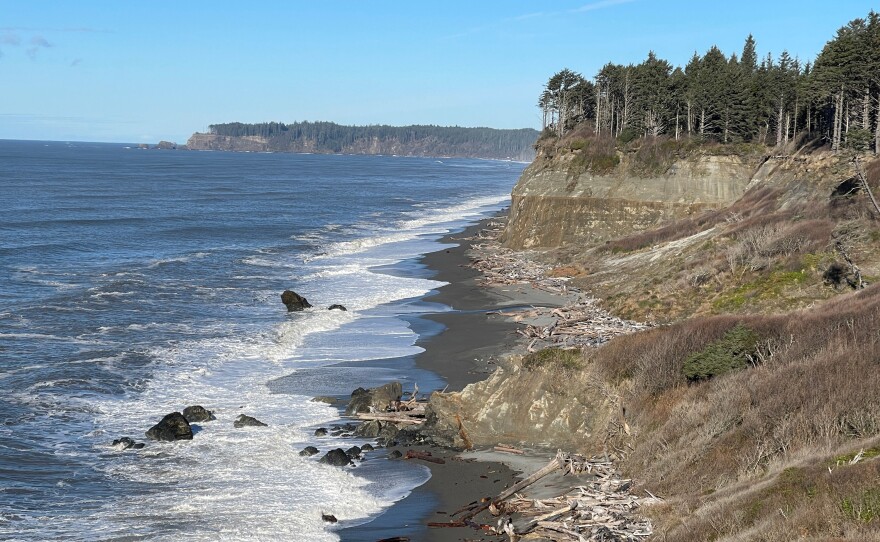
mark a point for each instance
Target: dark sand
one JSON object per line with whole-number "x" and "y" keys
{"x": 461, "y": 354}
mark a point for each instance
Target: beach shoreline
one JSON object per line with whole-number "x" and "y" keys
{"x": 464, "y": 352}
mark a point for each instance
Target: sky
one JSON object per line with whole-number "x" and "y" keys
{"x": 141, "y": 72}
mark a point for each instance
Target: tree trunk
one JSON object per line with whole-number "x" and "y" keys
{"x": 677, "y": 132}
{"x": 702, "y": 122}
{"x": 779, "y": 113}
{"x": 838, "y": 106}
{"x": 787, "y": 126}
{"x": 866, "y": 110}
{"x": 690, "y": 119}
{"x": 877, "y": 127}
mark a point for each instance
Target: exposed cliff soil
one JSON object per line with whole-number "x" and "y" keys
{"x": 756, "y": 414}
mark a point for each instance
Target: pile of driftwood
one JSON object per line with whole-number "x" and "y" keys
{"x": 502, "y": 266}
{"x": 602, "y": 509}
{"x": 581, "y": 324}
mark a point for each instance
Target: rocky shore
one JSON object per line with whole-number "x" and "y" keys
{"x": 485, "y": 431}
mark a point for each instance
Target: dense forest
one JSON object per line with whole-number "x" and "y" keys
{"x": 328, "y": 137}
{"x": 738, "y": 98}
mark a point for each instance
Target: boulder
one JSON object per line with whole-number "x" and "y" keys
{"x": 337, "y": 458}
{"x": 369, "y": 429}
{"x": 374, "y": 399}
{"x": 367, "y": 448}
{"x": 125, "y": 443}
{"x": 329, "y": 518}
{"x": 172, "y": 427}
{"x": 198, "y": 413}
{"x": 308, "y": 451}
{"x": 336, "y": 307}
{"x": 354, "y": 452}
{"x": 247, "y": 421}
{"x": 395, "y": 454}
{"x": 293, "y": 301}
{"x": 388, "y": 432}
{"x": 326, "y": 399}
{"x": 321, "y": 432}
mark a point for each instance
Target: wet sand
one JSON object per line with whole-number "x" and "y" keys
{"x": 461, "y": 353}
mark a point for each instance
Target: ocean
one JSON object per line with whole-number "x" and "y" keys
{"x": 138, "y": 282}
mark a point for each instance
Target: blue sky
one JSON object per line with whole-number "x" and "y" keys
{"x": 145, "y": 71}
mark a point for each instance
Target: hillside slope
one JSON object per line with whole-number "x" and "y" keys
{"x": 754, "y": 409}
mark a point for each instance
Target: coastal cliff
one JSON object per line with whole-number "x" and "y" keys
{"x": 559, "y": 201}
{"x": 756, "y": 394}
{"x": 331, "y": 138}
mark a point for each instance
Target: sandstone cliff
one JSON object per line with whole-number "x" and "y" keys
{"x": 556, "y": 202}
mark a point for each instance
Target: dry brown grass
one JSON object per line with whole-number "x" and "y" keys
{"x": 813, "y": 389}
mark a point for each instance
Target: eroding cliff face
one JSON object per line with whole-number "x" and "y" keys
{"x": 538, "y": 407}
{"x": 553, "y": 203}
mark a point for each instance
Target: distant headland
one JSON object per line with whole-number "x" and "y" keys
{"x": 332, "y": 138}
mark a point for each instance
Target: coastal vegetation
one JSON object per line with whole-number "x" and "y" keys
{"x": 728, "y": 99}
{"x": 752, "y": 405}
{"x": 329, "y": 137}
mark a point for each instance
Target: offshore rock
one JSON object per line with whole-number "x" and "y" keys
{"x": 125, "y": 443}
{"x": 374, "y": 399}
{"x": 172, "y": 427}
{"x": 247, "y": 421}
{"x": 293, "y": 301}
{"x": 336, "y": 307}
{"x": 337, "y": 458}
{"x": 198, "y": 413}
{"x": 308, "y": 451}
{"x": 354, "y": 452}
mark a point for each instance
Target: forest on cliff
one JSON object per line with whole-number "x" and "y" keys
{"x": 731, "y": 99}
{"x": 428, "y": 140}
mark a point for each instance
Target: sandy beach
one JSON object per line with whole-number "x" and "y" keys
{"x": 463, "y": 352}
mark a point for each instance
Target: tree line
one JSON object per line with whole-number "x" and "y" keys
{"x": 335, "y": 138}
{"x": 736, "y": 98}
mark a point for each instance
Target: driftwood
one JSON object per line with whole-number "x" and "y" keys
{"x": 390, "y": 417}
{"x": 601, "y": 509}
{"x": 508, "y": 450}
{"x": 864, "y": 180}
{"x": 424, "y": 456}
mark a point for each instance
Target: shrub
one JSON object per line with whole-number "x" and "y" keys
{"x": 727, "y": 354}
{"x": 577, "y": 144}
{"x": 554, "y": 358}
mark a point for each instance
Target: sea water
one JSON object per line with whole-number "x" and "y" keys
{"x": 134, "y": 283}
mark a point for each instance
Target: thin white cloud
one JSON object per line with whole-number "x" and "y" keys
{"x": 10, "y": 38}
{"x": 37, "y": 43}
{"x": 601, "y": 4}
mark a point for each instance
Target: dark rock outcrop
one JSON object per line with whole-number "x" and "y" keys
{"x": 367, "y": 448}
{"x": 326, "y": 399}
{"x": 198, "y": 413}
{"x": 354, "y": 452}
{"x": 293, "y": 301}
{"x": 329, "y": 518}
{"x": 321, "y": 432}
{"x": 247, "y": 421}
{"x": 308, "y": 451}
{"x": 172, "y": 427}
{"x": 369, "y": 429}
{"x": 374, "y": 399}
{"x": 336, "y": 307}
{"x": 395, "y": 454}
{"x": 125, "y": 443}
{"x": 337, "y": 458}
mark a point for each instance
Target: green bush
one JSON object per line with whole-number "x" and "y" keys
{"x": 728, "y": 353}
{"x": 627, "y": 134}
{"x": 859, "y": 139}
{"x": 577, "y": 144}
{"x": 554, "y": 357}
